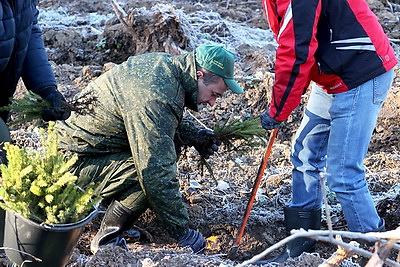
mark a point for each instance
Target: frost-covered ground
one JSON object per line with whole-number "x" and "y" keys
{"x": 83, "y": 36}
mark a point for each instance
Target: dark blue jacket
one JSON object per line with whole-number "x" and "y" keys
{"x": 22, "y": 52}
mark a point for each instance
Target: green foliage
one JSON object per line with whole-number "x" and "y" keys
{"x": 38, "y": 185}
{"x": 118, "y": 45}
{"x": 27, "y": 108}
{"x": 102, "y": 44}
{"x": 249, "y": 131}
{"x": 31, "y": 105}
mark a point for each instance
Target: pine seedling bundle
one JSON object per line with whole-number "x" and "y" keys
{"x": 27, "y": 108}
{"x": 38, "y": 185}
{"x": 30, "y": 106}
{"x": 248, "y": 131}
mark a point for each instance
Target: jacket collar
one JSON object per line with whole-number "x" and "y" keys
{"x": 187, "y": 64}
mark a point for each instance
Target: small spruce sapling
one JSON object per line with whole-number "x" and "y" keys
{"x": 38, "y": 185}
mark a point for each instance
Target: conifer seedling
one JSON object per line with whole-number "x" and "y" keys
{"x": 38, "y": 184}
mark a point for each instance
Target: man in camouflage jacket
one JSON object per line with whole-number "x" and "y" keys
{"x": 127, "y": 145}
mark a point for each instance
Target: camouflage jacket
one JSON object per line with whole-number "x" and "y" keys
{"x": 140, "y": 106}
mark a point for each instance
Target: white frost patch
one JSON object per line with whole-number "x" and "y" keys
{"x": 235, "y": 33}
{"x": 222, "y": 185}
{"x": 60, "y": 19}
{"x": 201, "y": 27}
{"x": 194, "y": 184}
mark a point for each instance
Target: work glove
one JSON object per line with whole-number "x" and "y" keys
{"x": 267, "y": 122}
{"x": 206, "y": 144}
{"x": 55, "y": 112}
{"x": 193, "y": 239}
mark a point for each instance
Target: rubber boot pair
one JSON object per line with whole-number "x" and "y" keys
{"x": 117, "y": 219}
{"x": 296, "y": 218}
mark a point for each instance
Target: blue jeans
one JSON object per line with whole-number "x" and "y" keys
{"x": 333, "y": 138}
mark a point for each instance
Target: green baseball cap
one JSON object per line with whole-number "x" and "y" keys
{"x": 219, "y": 61}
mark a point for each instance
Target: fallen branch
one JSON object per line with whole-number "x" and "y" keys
{"x": 393, "y": 234}
{"x": 196, "y": 119}
{"x": 325, "y": 236}
{"x": 269, "y": 250}
{"x": 248, "y": 79}
{"x": 328, "y": 216}
{"x": 393, "y": 6}
{"x": 340, "y": 255}
{"x": 120, "y": 13}
{"x": 23, "y": 252}
{"x": 381, "y": 253}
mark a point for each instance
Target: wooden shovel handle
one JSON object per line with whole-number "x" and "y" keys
{"x": 255, "y": 188}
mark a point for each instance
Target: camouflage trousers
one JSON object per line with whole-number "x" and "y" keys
{"x": 116, "y": 177}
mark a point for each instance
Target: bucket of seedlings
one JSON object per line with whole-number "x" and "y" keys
{"x": 46, "y": 210}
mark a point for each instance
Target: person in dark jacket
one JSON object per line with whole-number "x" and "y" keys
{"x": 341, "y": 47}
{"x": 129, "y": 144}
{"x": 22, "y": 55}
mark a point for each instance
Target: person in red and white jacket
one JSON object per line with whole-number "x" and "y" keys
{"x": 342, "y": 48}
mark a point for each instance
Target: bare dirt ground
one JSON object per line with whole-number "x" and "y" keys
{"x": 84, "y": 38}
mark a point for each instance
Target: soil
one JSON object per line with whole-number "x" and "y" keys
{"x": 85, "y": 38}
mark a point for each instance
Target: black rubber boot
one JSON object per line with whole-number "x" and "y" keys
{"x": 116, "y": 220}
{"x": 296, "y": 218}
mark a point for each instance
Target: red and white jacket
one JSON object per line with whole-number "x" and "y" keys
{"x": 338, "y": 44}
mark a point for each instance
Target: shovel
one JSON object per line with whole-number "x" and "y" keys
{"x": 234, "y": 248}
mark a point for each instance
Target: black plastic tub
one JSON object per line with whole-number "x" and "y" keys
{"x": 33, "y": 244}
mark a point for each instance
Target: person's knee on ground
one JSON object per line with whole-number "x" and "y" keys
{"x": 117, "y": 219}
{"x": 296, "y": 218}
